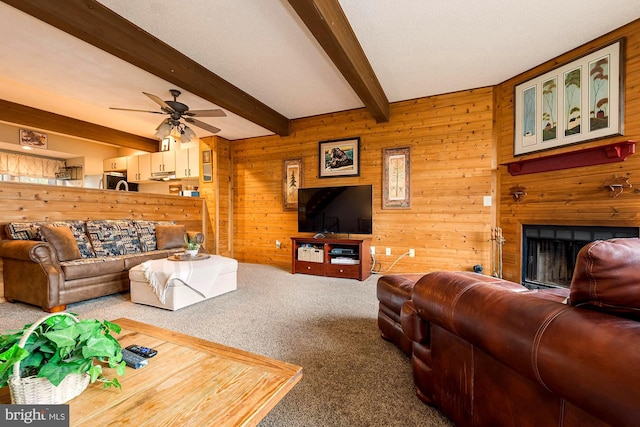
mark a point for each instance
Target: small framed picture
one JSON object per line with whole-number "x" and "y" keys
{"x": 396, "y": 193}
{"x": 291, "y": 181}
{"x": 165, "y": 144}
{"x": 206, "y": 156}
{"x": 339, "y": 157}
{"x": 31, "y": 138}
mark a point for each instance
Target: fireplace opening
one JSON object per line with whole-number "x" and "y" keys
{"x": 549, "y": 252}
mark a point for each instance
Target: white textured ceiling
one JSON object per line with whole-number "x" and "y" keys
{"x": 417, "y": 48}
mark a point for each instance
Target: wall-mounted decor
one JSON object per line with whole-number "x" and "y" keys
{"x": 207, "y": 173}
{"x": 396, "y": 185}
{"x": 31, "y": 138}
{"x": 577, "y": 102}
{"x": 339, "y": 157}
{"x": 291, "y": 181}
{"x": 165, "y": 144}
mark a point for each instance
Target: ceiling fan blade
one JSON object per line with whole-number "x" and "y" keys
{"x": 160, "y": 102}
{"x": 206, "y": 113}
{"x": 202, "y": 125}
{"x": 139, "y": 111}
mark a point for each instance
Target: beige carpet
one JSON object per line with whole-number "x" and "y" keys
{"x": 328, "y": 326}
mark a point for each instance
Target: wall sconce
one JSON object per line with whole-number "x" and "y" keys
{"x": 616, "y": 185}
{"x": 518, "y": 192}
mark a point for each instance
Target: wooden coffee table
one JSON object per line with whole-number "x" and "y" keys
{"x": 190, "y": 381}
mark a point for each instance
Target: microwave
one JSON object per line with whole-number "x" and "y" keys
{"x": 111, "y": 180}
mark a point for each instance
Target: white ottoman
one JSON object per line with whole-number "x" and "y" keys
{"x": 178, "y": 295}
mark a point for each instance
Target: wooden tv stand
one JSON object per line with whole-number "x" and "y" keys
{"x": 347, "y": 258}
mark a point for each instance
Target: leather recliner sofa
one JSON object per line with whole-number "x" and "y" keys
{"x": 488, "y": 352}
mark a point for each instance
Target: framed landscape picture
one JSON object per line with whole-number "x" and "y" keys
{"x": 577, "y": 102}
{"x": 339, "y": 157}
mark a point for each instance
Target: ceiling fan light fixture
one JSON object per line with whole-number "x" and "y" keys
{"x": 187, "y": 135}
{"x": 163, "y": 130}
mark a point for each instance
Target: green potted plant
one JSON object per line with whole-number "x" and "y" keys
{"x": 192, "y": 245}
{"x": 52, "y": 360}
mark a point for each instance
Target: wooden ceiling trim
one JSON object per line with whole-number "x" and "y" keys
{"x": 93, "y": 23}
{"x": 329, "y": 25}
{"x": 40, "y": 119}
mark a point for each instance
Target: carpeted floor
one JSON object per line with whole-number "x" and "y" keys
{"x": 351, "y": 377}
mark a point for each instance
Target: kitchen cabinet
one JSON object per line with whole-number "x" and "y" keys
{"x": 163, "y": 161}
{"x": 188, "y": 163}
{"x": 118, "y": 164}
{"x": 139, "y": 168}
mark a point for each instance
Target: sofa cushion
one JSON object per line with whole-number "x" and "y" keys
{"x": 91, "y": 267}
{"x": 113, "y": 237}
{"x": 79, "y": 232}
{"x": 170, "y": 236}
{"x": 31, "y": 231}
{"x": 23, "y": 231}
{"x": 62, "y": 239}
{"x": 606, "y": 277}
{"x": 147, "y": 233}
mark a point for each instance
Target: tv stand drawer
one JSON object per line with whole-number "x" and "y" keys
{"x": 343, "y": 270}
{"x": 316, "y": 268}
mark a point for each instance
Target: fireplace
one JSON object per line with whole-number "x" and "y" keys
{"x": 549, "y": 251}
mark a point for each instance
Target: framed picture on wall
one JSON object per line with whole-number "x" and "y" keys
{"x": 291, "y": 181}
{"x": 207, "y": 170}
{"x": 396, "y": 177}
{"x": 577, "y": 102}
{"x": 165, "y": 144}
{"x": 31, "y": 138}
{"x": 339, "y": 157}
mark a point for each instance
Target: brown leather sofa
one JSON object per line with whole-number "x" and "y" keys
{"x": 53, "y": 264}
{"x": 488, "y": 352}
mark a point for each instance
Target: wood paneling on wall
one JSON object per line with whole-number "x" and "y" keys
{"x": 572, "y": 196}
{"x": 217, "y": 195}
{"x": 26, "y": 202}
{"x": 452, "y": 151}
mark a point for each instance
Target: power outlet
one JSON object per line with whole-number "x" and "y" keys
{"x": 387, "y": 251}
{"x": 278, "y": 244}
{"x": 412, "y": 253}
{"x": 372, "y": 250}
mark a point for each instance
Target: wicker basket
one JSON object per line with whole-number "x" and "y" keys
{"x": 34, "y": 390}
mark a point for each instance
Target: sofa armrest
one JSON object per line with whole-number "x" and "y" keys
{"x": 31, "y": 273}
{"x": 413, "y": 326}
{"x": 29, "y": 250}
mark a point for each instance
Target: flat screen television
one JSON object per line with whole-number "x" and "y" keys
{"x": 343, "y": 209}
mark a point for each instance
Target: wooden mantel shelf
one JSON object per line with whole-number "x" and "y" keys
{"x": 616, "y": 152}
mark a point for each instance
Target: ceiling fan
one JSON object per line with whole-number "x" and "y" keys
{"x": 178, "y": 111}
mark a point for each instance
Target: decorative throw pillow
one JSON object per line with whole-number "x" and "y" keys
{"x": 147, "y": 233}
{"x": 23, "y": 231}
{"x": 606, "y": 277}
{"x": 170, "y": 236}
{"x": 79, "y": 233}
{"x": 62, "y": 240}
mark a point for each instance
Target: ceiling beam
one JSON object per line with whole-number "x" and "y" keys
{"x": 40, "y": 119}
{"x": 95, "y": 24}
{"x": 329, "y": 25}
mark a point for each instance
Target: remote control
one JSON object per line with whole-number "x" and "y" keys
{"x": 142, "y": 351}
{"x": 133, "y": 360}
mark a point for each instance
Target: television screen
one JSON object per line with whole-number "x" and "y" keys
{"x": 344, "y": 209}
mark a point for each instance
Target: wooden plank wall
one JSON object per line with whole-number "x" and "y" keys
{"x": 572, "y": 196}
{"x": 26, "y": 202}
{"x": 217, "y": 195}
{"x": 452, "y": 151}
